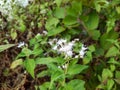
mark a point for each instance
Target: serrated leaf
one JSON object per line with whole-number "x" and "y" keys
{"x": 4, "y": 47}
{"x": 30, "y": 66}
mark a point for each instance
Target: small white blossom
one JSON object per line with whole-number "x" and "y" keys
{"x": 82, "y": 51}
{"x": 21, "y": 44}
{"x": 45, "y": 32}
{"x": 22, "y": 3}
{"x": 69, "y": 53}
{"x": 61, "y": 41}
{"x": 63, "y": 66}
{"x": 76, "y": 56}
{"x": 52, "y": 41}
{"x": 55, "y": 48}
{"x": 63, "y": 47}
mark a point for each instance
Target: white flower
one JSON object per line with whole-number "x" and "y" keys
{"x": 76, "y": 56}
{"x": 22, "y": 3}
{"x": 52, "y": 41}
{"x": 45, "y": 32}
{"x": 82, "y": 51}
{"x": 61, "y": 41}
{"x": 69, "y": 53}
{"x": 63, "y": 47}
{"x": 63, "y": 66}
{"x": 55, "y": 48}
{"x": 21, "y": 44}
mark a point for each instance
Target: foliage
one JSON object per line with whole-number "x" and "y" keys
{"x": 94, "y": 22}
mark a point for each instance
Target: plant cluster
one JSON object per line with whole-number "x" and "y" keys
{"x": 71, "y": 44}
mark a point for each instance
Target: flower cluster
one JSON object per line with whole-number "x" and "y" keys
{"x": 6, "y": 6}
{"x": 66, "y": 48}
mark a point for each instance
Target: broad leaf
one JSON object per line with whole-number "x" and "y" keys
{"x": 113, "y": 51}
{"x": 59, "y": 13}
{"x": 110, "y": 84}
{"x": 58, "y": 2}
{"x": 93, "y": 21}
{"x": 55, "y": 31}
{"x": 4, "y": 47}
{"x": 16, "y": 63}
{"x": 75, "y": 85}
{"x": 76, "y": 69}
{"x": 95, "y": 34}
{"x": 51, "y": 23}
{"x": 106, "y": 74}
{"x": 30, "y": 66}
{"x": 70, "y": 20}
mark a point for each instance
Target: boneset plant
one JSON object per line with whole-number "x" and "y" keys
{"x": 74, "y": 44}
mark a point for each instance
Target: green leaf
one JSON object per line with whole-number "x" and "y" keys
{"x": 46, "y": 61}
{"x": 13, "y": 34}
{"x": 70, "y": 20}
{"x": 117, "y": 74}
{"x": 110, "y": 84}
{"x": 16, "y": 63}
{"x": 4, "y": 47}
{"x": 118, "y": 9}
{"x": 30, "y": 66}
{"x": 75, "y": 85}
{"x": 113, "y": 51}
{"x": 59, "y": 12}
{"x": 42, "y": 74}
{"x": 91, "y": 48}
{"x": 110, "y": 24}
{"x": 87, "y": 58}
{"x": 77, "y": 7}
{"x": 106, "y": 74}
{"x": 44, "y": 86}
{"x": 22, "y": 27}
{"x": 95, "y": 34}
{"x": 57, "y": 75}
{"x": 105, "y": 44}
{"x": 76, "y": 69}
{"x": 58, "y": 2}
{"x": 25, "y": 52}
{"x": 56, "y": 31}
{"x": 51, "y": 23}
{"x": 113, "y": 61}
{"x": 93, "y": 21}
